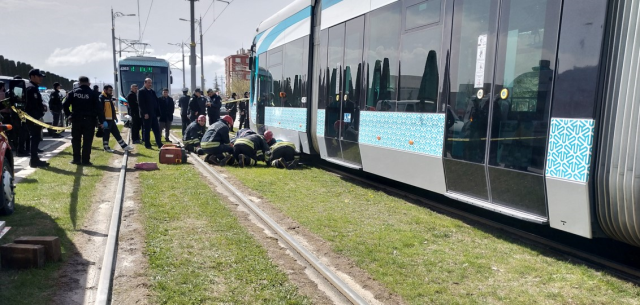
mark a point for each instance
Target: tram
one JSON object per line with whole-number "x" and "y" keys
{"x": 525, "y": 108}
{"x": 135, "y": 69}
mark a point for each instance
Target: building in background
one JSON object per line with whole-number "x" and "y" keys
{"x": 237, "y": 72}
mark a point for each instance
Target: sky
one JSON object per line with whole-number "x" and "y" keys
{"x": 73, "y": 37}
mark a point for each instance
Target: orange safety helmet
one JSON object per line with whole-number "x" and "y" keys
{"x": 228, "y": 119}
{"x": 268, "y": 135}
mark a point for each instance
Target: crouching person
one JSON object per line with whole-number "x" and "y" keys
{"x": 283, "y": 155}
{"x": 215, "y": 143}
{"x": 193, "y": 133}
{"x": 249, "y": 149}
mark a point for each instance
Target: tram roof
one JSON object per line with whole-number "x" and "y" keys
{"x": 284, "y": 13}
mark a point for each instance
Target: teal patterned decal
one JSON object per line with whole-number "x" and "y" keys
{"x": 570, "y": 145}
{"x": 286, "y": 118}
{"x": 415, "y": 132}
{"x": 320, "y": 123}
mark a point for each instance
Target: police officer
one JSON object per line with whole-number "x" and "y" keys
{"x": 183, "y": 102}
{"x": 55, "y": 106}
{"x": 35, "y": 108}
{"x": 247, "y": 150}
{"x": 86, "y": 112}
{"x": 194, "y": 105}
{"x": 244, "y": 112}
{"x": 213, "y": 107}
{"x": 215, "y": 143}
{"x": 194, "y": 132}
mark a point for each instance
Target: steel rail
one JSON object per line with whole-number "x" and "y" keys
{"x": 329, "y": 275}
{"x": 108, "y": 262}
{"x": 620, "y": 270}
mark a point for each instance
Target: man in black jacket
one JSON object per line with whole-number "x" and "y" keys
{"x": 108, "y": 110}
{"x": 167, "y": 107}
{"x": 35, "y": 109}
{"x": 213, "y": 108}
{"x": 244, "y": 119}
{"x": 148, "y": 102}
{"x": 134, "y": 112}
{"x": 194, "y": 105}
{"x": 55, "y": 106}
{"x": 232, "y": 108}
{"x": 86, "y": 112}
{"x": 183, "y": 102}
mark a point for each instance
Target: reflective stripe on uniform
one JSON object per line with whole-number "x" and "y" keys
{"x": 206, "y": 145}
{"x": 245, "y": 141}
{"x": 283, "y": 144}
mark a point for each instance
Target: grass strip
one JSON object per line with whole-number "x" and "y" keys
{"x": 198, "y": 251}
{"x": 425, "y": 257}
{"x": 52, "y": 201}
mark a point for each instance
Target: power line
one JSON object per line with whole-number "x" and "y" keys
{"x": 145, "y": 23}
{"x": 214, "y": 20}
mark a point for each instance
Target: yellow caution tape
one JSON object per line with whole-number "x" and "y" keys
{"x": 25, "y": 117}
{"x": 238, "y": 100}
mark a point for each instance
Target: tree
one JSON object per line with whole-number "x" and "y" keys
{"x": 216, "y": 85}
{"x": 239, "y": 85}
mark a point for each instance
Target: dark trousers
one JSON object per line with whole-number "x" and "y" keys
{"x": 136, "y": 125}
{"x": 151, "y": 124}
{"x": 243, "y": 118}
{"x": 220, "y": 152}
{"x": 36, "y": 136}
{"x": 57, "y": 120}
{"x": 233, "y": 116}
{"x": 185, "y": 122}
{"x": 82, "y": 131}
{"x": 214, "y": 115}
{"x": 112, "y": 129}
{"x": 247, "y": 151}
{"x": 286, "y": 152}
{"x": 24, "y": 143}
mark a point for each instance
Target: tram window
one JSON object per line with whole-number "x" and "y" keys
{"x": 422, "y": 14}
{"x": 353, "y": 63}
{"x": 336, "y": 57}
{"x": 292, "y": 74}
{"x": 419, "y": 77}
{"x": 383, "y": 31}
{"x": 275, "y": 57}
{"x": 467, "y": 114}
{"x": 322, "y": 71}
{"x": 264, "y": 86}
{"x": 520, "y": 122}
{"x": 274, "y": 98}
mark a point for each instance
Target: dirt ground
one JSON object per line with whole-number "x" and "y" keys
{"x": 78, "y": 278}
{"x": 310, "y": 282}
{"x": 130, "y": 283}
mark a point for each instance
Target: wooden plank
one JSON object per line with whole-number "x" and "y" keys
{"x": 20, "y": 256}
{"x": 51, "y": 244}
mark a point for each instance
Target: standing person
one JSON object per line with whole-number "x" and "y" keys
{"x": 109, "y": 120}
{"x": 215, "y": 143}
{"x": 167, "y": 107}
{"x": 96, "y": 90}
{"x": 244, "y": 107}
{"x": 183, "y": 102}
{"x": 134, "y": 112}
{"x": 86, "y": 112}
{"x": 194, "y": 105}
{"x": 148, "y": 101}
{"x": 213, "y": 111}
{"x": 55, "y": 106}
{"x": 232, "y": 108}
{"x": 35, "y": 109}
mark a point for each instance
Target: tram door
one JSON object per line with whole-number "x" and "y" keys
{"x": 342, "y": 118}
{"x": 501, "y": 71}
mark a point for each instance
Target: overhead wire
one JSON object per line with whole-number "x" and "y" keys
{"x": 145, "y": 23}
{"x": 214, "y": 20}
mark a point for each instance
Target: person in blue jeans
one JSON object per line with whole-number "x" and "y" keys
{"x": 149, "y": 110}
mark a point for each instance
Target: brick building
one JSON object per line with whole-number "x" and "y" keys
{"x": 237, "y": 67}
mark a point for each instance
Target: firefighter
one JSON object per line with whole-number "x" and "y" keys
{"x": 193, "y": 134}
{"x": 283, "y": 155}
{"x": 215, "y": 142}
{"x": 249, "y": 149}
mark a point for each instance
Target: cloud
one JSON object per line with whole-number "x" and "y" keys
{"x": 80, "y": 55}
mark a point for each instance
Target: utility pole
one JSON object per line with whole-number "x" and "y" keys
{"x": 201, "y": 55}
{"x": 113, "y": 42}
{"x": 192, "y": 57}
{"x": 181, "y": 44}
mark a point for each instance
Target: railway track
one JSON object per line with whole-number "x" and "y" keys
{"x": 623, "y": 271}
{"x": 103, "y": 295}
{"x": 343, "y": 288}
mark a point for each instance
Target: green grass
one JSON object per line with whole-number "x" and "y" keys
{"x": 198, "y": 251}
{"x": 425, "y": 257}
{"x": 50, "y": 202}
